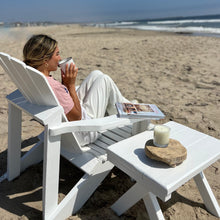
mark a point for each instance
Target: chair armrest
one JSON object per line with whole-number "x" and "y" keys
{"x": 98, "y": 124}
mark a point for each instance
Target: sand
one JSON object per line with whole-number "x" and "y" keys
{"x": 179, "y": 73}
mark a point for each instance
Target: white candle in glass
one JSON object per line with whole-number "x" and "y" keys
{"x": 161, "y": 135}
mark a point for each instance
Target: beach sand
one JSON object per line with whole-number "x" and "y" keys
{"x": 179, "y": 73}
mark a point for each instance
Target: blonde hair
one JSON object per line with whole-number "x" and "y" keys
{"x": 38, "y": 49}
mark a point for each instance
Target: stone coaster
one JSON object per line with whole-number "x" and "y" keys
{"x": 175, "y": 153}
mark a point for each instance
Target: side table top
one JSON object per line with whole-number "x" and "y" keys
{"x": 161, "y": 179}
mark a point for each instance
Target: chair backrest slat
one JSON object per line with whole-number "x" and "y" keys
{"x": 12, "y": 72}
{"x": 25, "y": 81}
{"x": 44, "y": 92}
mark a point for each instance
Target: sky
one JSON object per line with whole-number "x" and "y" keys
{"x": 102, "y": 10}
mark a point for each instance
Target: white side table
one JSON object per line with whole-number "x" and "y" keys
{"x": 155, "y": 179}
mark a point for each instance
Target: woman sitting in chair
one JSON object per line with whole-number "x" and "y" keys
{"x": 96, "y": 95}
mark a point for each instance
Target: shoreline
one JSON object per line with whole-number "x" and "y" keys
{"x": 187, "y": 33}
{"x": 178, "y": 73}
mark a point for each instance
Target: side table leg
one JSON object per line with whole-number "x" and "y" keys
{"x": 153, "y": 207}
{"x": 14, "y": 142}
{"x": 128, "y": 199}
{"x": 207, "y": 194}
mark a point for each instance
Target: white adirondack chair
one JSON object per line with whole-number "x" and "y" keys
{"x": 35, "y": 97}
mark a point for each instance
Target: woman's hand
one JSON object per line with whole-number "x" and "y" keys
{"x": 69, "y": 80}
{"x": 69, "y": 77}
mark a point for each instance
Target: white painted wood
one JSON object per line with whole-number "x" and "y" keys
{"x": 33, "y": 156}
{"x": 122, "y": 133}
{"x": 140, "y": 126}
{"x": 101, "y": 150}
{"x": 24, "y": 81}
{"x": 127, "y": 128}
{"x": 127, "y": 200}
{"x": 13, "y": 74}
{"x": 51, "y": 167}
{"x": 14, "y": 142}
{"x": 207, "y": 194}
{"x": 18, "y": 71}
{"x": 81, "y": 192}
{"x": 160, "y": 173}
{"x": 159, "y": 178}
{"x": 153, "y": 207}
{"x": 113, "y": 136}
{"x": 101, "y": 144}
{"x": 37, "y": 99}
{"x": 44, "y": 92}
{"x": 98, "y": 124}
{"x": 41, "y": 113}
{"x": 32, "y": 78}
{"x": 86, "y": 161}
{"x": 106, "y": 140}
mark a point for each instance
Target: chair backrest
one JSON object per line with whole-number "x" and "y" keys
{"x": 31, "y": 83}
{"x": 35, "y": 88}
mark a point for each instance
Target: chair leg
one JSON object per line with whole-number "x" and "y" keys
{"x": 14, "y": 142}
{"x": 81, "y": 192}
{"x": 16, "y": 164}
{"x": 207, "y": 194}
{"x": 153, "y": 207}
{"x": 51, "y": 170}
{"x": 128, "y": 199}
{"x": 33, "y": 156}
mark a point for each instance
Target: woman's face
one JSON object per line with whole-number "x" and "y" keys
{"x": 54, "y": 61}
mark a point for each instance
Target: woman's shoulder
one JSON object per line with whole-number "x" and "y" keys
{"x": 53, "y": 81}
{"x": 57, "y": 87}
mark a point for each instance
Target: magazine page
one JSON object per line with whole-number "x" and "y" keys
{"x": 143, "y": 108}
{"x": 131, "y": 110}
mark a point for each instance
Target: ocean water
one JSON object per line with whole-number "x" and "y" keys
{"x": 198, "y": 25}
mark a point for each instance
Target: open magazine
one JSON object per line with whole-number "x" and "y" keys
{"x": 130, "y": 110}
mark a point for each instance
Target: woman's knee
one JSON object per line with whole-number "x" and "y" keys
{"x": 101, "y": 78}
{"x": 96, "y": 73}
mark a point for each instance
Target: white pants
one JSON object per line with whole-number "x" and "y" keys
{"x": 98, "y": 94}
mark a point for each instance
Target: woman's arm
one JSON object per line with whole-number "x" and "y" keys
{"x": 69, "y": 80}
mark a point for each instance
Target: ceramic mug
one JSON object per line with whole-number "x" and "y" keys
{"x": 62, "y": 63}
